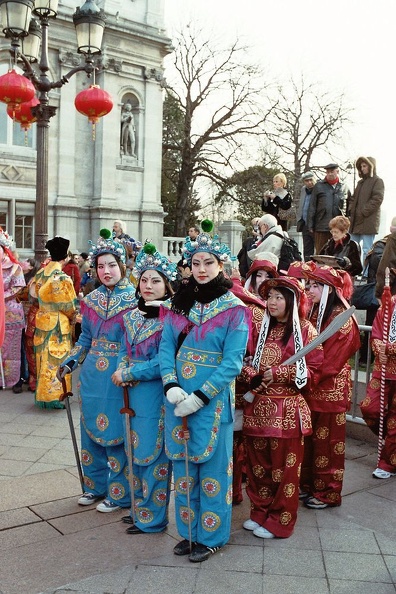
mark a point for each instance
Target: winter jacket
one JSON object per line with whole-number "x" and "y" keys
{"x": 349, "y": 251}
{"x": 327, "y": 201}
{"x": 269, "y": 243}
{"x": 364, "y": 207}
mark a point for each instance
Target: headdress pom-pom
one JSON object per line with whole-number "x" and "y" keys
{"x": 105, "y": 233}
{"x": 207, "y": 225}
{"x": 149, "y": 248}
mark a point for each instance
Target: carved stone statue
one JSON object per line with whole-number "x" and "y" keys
{"x": 128, "y": 132}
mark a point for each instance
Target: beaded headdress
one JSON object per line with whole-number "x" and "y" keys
{"x": 106, "y": 244}
{"x": 206, "y": 243}
{"x": 150, "y": 259}
{"x": 5, "y": 239}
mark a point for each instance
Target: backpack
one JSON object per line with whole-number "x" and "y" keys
{"x": 289, "y": 252}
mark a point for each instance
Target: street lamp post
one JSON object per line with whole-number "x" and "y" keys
{"x": 89, "y": 22}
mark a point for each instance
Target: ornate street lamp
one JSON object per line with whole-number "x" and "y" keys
{"x": 29, "y": 33}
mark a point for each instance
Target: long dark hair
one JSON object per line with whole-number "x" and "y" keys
{"x": 289, "y": 296}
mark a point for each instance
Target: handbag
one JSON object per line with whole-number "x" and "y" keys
{"x": 288, "y": 214}
{"x": 364, "y": 294}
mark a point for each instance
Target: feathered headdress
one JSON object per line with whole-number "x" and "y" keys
{"x": 150, "y": 259}
{"x": 106, "y": 244}
{"x": 206, "y": 243}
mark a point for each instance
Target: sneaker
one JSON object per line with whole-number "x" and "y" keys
{"x": 382, "y": 474}
{"x": 107, "y": 506}
{"x": 262, "y": 532}
{"x": 89, "y": 498}
{"x": 314, "y": 503}
{"x": 250, "y": 525}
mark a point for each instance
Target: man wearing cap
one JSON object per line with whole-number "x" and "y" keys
{"x": 328, "y": 200}
{"x": 309, "y": 181}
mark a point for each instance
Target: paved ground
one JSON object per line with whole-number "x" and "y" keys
{"x": 50, "y": 544}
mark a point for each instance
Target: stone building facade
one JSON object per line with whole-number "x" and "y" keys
{"x": 92, "y": 182}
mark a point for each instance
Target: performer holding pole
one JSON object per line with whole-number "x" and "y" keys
{"x": 379, "y": 406}
{"x": 138, "y": 364}
{"x": 203, "y": 343}
{"x": 102, "y": 435}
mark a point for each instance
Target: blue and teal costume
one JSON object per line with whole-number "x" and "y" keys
{"x": 102, "y": 434}
{"x": 139, "y": 362}
{"x": 208, "y": 361}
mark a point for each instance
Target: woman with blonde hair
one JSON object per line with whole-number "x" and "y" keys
{"x": 278, "y": 199}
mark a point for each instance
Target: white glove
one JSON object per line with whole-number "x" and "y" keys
{"x": 62, "y": 371}
{"x": 176, "y": 395}
{"x": 190, "y": 405}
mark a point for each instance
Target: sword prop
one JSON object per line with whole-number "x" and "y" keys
{"x": 186, "y": 437}
{"x": 128, "y": 413}
{"x": 331, "y": 329}
{"x": 65, "y": 398}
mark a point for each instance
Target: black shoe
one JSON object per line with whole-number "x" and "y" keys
{"x": 183, "y": 547}
{"x": 128, "y": 520}
{"x": 134, "y": 530}
{"x": 202, "y": 553}
{"x": 17, "y": 389}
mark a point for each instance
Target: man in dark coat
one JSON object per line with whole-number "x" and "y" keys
{"x": 364, "y": 207}
{"x": 328, "y": 200}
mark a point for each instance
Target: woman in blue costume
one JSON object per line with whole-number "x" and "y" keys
{"x": 201, "y": 352}
{"x": 102, "y": 436}
{"x": 139, "y": 367}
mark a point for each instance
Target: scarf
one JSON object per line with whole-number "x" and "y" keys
{"x": 149, "y": 311}
{"x": 333, "y": 182}
{"x": 188, "y": 293}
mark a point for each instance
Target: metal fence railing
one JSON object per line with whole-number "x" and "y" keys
{"x": 360, "y": 379}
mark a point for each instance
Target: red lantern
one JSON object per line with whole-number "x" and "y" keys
{"x": 94, "y": 103}
{"x": 15, "y": 89}
{"x": 24, "y": 115}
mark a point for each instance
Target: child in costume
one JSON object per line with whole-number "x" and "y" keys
{"x": 139, "y": 368}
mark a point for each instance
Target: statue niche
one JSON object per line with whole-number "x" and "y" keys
{"x": 128, "y": 132}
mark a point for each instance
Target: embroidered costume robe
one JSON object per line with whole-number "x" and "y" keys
{"x": 13, "y": 282}
{"x": 102, "y": 433}
{"x": 371, "y": 405}
{"x": 139, "y": 362}
{"x": 52, "y": 335}
{"x": 274, "y": 426}
{"x": 329, "y": 399}
{"x": 209, "y": 360}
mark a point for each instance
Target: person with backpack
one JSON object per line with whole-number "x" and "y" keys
{"x": 275, "y": 240}
{"x": 271, "y": 239}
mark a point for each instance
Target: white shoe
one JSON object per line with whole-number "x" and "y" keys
{"x": 107, "y": 506}
{"x": 262, "y": 532}
{"x": 382, "y": 474}
{"x": 250, "y": 525}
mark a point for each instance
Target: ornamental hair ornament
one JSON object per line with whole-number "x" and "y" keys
{"x": 5, "y": 239}
{"x": 106, "y": 244}
{"x": 150, "y": 259}
{"x": 205, "y": 243}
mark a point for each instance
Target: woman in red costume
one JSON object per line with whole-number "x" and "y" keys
{"x": 276, "y": 417}
{"x": 383, "y": 343}
{"x": 324, "y": 457}
{"x": 262, "y": 268}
